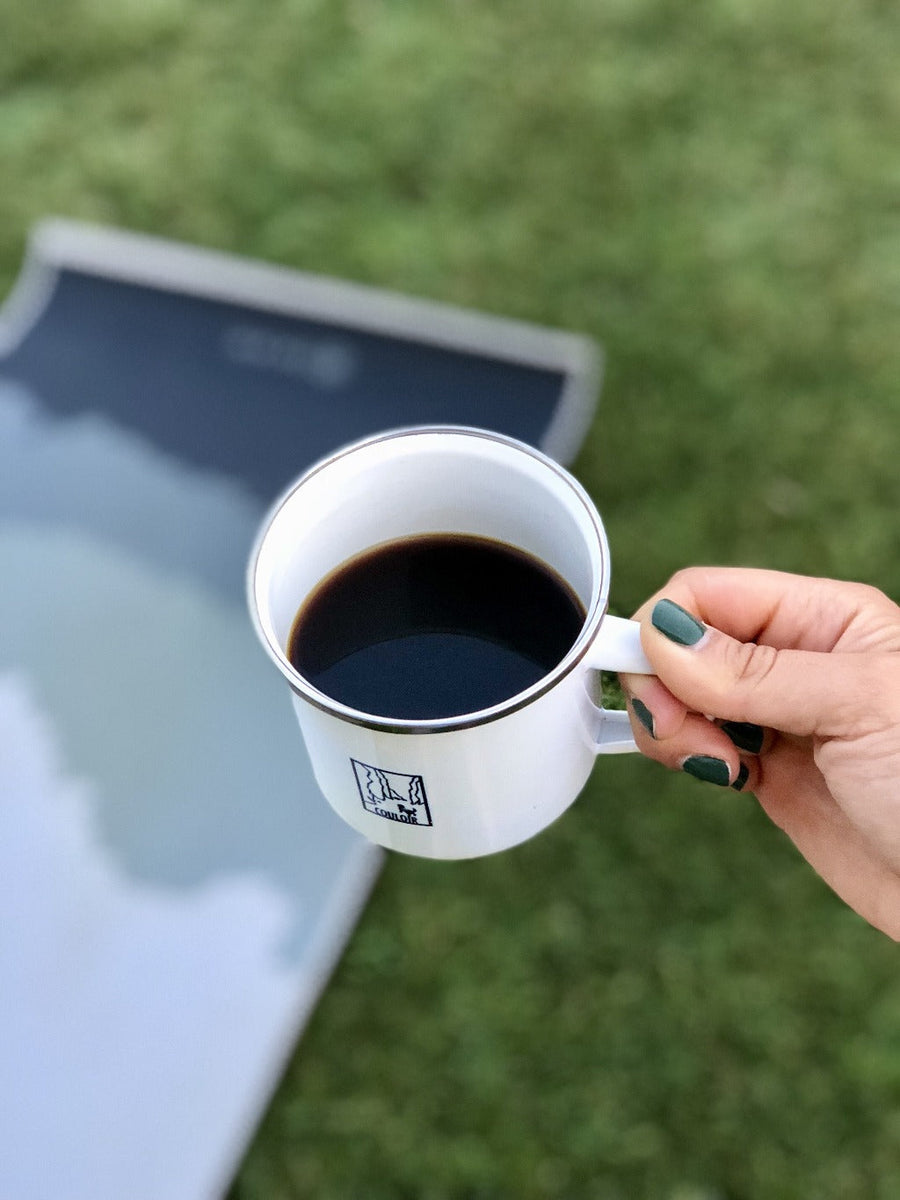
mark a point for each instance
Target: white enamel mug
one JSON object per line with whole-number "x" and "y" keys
{"x": 466, "y": 785}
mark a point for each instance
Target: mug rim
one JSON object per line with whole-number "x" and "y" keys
{"x": 519, "y": 700}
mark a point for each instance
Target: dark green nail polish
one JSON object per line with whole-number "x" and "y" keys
{"x": 644, "y": 715}
{"x": 710, "y": 770}
{"x": 677, "y": 624}
{"x": 745, "y": 736}
{"x": 742, "y": 776}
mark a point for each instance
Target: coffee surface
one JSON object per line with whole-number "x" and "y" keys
{"x": 434, "y": 626}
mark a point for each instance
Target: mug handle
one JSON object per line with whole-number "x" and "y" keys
{"x": 617, "y": 647}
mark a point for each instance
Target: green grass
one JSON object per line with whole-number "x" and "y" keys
{"x": 656, "y": 998}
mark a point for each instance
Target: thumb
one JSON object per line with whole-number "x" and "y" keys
{"x": 800, "y": 692}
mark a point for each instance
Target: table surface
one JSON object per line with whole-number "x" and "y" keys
{"x": 173, "y": 890}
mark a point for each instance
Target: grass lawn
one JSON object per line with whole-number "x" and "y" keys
{"x": 656, "y": 998}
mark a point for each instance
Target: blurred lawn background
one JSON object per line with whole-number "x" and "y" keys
{"x": 656, "y": 998}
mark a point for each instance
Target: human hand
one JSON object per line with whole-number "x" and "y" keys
{"x": 802, "y": 677}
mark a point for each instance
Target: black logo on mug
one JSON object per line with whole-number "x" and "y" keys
{"x": 392, "y": 794}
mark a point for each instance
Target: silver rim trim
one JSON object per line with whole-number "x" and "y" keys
{"x": 301, "y": 687}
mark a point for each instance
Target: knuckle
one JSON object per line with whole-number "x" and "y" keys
{"x": 870, "y": 596}
{"x": 872, "y": 602}
{"x": 750, "y": 664}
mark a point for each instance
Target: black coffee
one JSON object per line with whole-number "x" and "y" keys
{"x": 434, "y": 626}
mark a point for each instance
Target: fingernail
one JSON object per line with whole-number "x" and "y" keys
{"x": 710, "y": 770}
{"x": 644, "y": 715}
{"x": 742, "y": 776}
{"x": 745, "y": 736}
{"x": 676, "y": 623}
